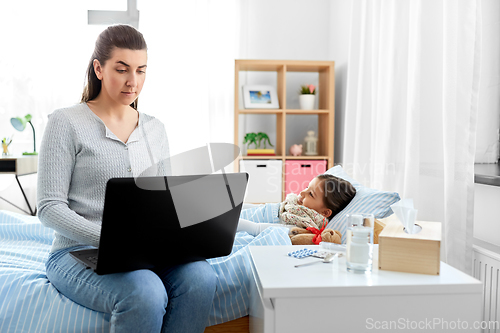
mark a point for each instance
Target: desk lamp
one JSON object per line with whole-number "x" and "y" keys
{"x": 20, "y": 124}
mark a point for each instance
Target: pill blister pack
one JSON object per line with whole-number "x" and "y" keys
{"x": 304, "y": 253}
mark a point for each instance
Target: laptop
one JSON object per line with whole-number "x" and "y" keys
{"x": 151, "y": 222}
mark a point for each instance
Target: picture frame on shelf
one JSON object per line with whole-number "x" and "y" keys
{"x": 260, "y": 97}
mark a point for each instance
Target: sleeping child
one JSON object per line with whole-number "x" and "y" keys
{"x": 315, "y": 206}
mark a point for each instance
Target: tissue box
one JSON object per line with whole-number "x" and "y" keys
{"x": 412, "y": 253}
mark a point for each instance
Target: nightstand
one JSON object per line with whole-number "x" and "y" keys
{"x": 20, "y": 165}
{"x": 326, "y": 298}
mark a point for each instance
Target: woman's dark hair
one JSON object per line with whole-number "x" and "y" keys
{"x": 338, "y": 193}
{"x": 116, "y": 36}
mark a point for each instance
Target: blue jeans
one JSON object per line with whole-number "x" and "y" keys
{"x": 174, "y": 299}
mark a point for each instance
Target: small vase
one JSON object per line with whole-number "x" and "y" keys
{"x": 306, "y": 101}
{"x": 5, "y": 149}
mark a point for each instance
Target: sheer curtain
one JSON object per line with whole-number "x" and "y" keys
{"x": 411, "y": 109}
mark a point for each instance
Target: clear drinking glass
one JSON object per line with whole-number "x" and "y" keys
{"x": 359, "y": 242}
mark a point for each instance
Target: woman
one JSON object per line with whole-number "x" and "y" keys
{"x": 83, "y": 147}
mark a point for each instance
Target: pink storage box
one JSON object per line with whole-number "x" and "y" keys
{"x": 298, "y": 174}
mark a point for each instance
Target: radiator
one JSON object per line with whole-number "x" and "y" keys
{"x": 486, "y": 268}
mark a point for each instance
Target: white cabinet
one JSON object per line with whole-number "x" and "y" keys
{"x": 487, "y": 213}
{"x": 264, "y": 182}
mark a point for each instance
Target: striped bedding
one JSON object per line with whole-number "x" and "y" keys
{"x": 29, "y": 303}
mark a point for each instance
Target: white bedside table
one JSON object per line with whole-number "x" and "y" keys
{"x": 326, "y": 298}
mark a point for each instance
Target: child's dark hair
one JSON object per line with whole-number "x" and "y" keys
{"x": 338, "y": 193}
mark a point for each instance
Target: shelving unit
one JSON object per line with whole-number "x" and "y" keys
{"x": 325, "y": 112}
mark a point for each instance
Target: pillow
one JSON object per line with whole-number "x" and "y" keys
{"x": 366, "y": 200}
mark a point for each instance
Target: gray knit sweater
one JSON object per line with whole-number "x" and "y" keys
{"x": 79, "y": 154}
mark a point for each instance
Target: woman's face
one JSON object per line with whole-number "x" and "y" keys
{"x": 122, "y": 76}
{"x": 313, "y": 197}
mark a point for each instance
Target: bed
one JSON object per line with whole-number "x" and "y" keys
{"x": 29, "y": 302}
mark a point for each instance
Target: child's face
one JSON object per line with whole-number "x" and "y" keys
{"x": 313, "y": 197}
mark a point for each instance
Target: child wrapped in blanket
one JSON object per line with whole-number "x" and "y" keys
{"x": 315, "y": 206}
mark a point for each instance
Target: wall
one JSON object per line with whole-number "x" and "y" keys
{"x": 486, "y": 197}
{"x": 296, "y": 30}
{"x": 338, "y": 50}
{"x": 488, "y": 123}
{"x": 285, "y": 29}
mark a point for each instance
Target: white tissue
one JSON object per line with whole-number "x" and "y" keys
{"x": 406, "y": 214}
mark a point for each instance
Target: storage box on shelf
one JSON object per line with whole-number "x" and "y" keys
{"x": 325, "y": 112}
{"x": 299, "y": 173}
{"x": 264, "y": 181}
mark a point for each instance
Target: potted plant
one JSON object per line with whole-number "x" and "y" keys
{"x": 256, "y": 139}
{"x": 307, "y": 97}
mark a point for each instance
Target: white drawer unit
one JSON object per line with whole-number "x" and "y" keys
{"x": 265, "y": 180}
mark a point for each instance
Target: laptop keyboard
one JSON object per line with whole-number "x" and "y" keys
{"x": 92, "y": 259}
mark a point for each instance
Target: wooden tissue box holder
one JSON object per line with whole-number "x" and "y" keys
{"x": 412, "y": 253}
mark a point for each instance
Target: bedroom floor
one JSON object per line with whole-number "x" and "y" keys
{"x": 240, "y": 325}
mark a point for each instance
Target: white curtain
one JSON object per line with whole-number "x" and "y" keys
{"x": 411, "y": 109}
